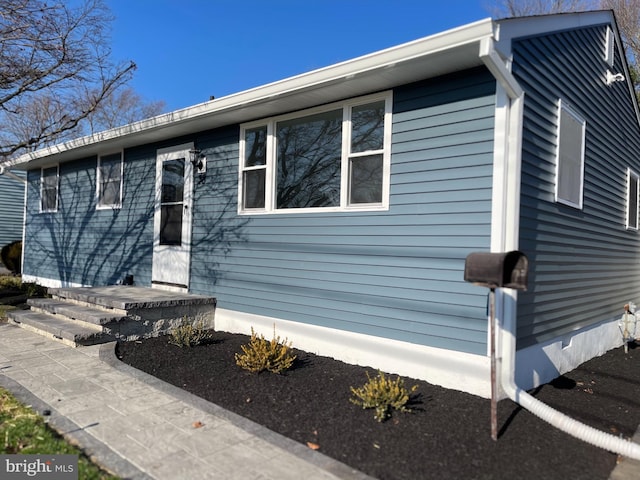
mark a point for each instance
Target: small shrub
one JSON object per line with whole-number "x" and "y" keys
{"x": 11, "y": 256}
{"x": 274, "y": 356}
{"x": 383, "y": 394}
{"x": 189, "y": 334}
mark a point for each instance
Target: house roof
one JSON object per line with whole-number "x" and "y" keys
{"x": 445, "y": 52}
{"x": 427, "y": 57}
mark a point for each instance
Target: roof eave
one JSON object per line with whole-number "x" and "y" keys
{"x": 428, "y": 57}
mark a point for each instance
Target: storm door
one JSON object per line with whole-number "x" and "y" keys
{"x": 172, "y": 218}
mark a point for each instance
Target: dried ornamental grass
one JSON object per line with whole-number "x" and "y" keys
{"x": 274, "y": 356}
{"x": 383, "y": 394}
{"x": 189, "y": 334}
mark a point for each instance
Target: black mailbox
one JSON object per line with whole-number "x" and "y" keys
{"x": 496, "y": 270}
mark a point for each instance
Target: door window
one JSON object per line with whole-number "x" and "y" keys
{"x": 172, "y": 202}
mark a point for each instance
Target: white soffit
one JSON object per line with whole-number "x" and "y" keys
{"x": 449, "y": 51}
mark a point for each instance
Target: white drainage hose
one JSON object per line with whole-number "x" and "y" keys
{"x": 559, "y": 420}
{"x": 574, "y": 428}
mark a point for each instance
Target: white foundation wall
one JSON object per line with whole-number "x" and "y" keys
{"x": 469, "y": 373}
{"x": 49, "y": 282}
{"x": 540, "y": 364}
{"x": 449, "y": 369}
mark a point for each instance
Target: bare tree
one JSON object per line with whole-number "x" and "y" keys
{"x": 49, "y": 52}
{"x": 628, "y": 17}
{"x": 523, "y": 8}
{"x": 123, "y": 106}
{"x": 627, "y": 14}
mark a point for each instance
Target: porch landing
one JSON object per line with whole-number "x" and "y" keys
{"x": 90, "y": 315}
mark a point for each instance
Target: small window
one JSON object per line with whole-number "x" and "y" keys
{"x": 49, "y": 189}
{"x": 254, "y": 167}
{"x": 570, "y": 157}
{"x": 366, "y": 156}
{"x": 632, "y": 200}
{"x": 332, "y": 158}
{"x": 109, "y": 181}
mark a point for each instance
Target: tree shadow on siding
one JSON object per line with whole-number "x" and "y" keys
{"x": 83, "y": 245}
{"x": 80, "y": 244}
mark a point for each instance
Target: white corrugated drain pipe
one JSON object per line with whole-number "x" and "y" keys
{"x": 559, "y": 420}
{"x": 506, "y": 325}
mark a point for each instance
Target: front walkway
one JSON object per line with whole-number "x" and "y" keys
{"x": 140, "y": 427}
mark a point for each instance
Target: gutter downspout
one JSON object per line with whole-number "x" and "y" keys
{"x": 5, "y": 171}
{"x": 507, "y": 298}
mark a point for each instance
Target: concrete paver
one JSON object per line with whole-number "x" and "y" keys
{"x": 139, "y": 427}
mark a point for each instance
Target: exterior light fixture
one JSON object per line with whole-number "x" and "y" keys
{"x": 617, "y": 77}
{"x": 198, "y": 160}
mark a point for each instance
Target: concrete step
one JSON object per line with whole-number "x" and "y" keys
{"x": 128, "y": 298}
{"x": 89, "y": 315}
{"x": 71, "y": 332}
{"x": 72, "y": 311}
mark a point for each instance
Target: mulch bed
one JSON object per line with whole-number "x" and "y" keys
{"x": 446, "y": 436}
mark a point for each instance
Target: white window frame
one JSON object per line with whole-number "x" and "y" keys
{"x": 560, "y": 154}
{"x": 632, "y": 176}
{"x": 109, "y": 206}
{"x": 55, "y": 208}
{"x": 346, "y": 157}
{"x": 609, "y": 47}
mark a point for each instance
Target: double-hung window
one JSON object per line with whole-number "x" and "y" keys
{"x": 570, "y": 156}
{"x": 632, "y": 199}
{"x": 109, "y": 181}
{"x": 333, "y": 158}
{"x": 49, "y": 189}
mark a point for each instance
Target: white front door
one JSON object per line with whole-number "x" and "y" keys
{"x": 172, "y": 218}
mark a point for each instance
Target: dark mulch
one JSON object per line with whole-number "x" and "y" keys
{"x": 447, "y": 436}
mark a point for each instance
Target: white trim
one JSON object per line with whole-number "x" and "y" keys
{"x": 509, "y": 29}
{"x": 172, "y": 263}
{"x": 564, "y": 106}
{"x": 54, "y": 209}
{"x": 631, "y": 174}
{"x": 169, "y": 288}
{"x": 450, "y": 369}
{"x": 113, "y": 206}
{"x": 50, "y": 282}
{"x": 609, "y": 47}
{"x": 346, "y": 156}
{"x": 507, "y": 166}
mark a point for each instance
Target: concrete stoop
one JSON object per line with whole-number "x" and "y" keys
{"x": 93, "y": 315}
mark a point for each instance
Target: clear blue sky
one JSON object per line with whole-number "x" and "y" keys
{"x": 188, "y": 50}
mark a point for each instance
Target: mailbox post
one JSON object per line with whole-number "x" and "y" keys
{"x": 496, "y": 270}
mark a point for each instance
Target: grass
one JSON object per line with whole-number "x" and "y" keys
{"x": 22, "y": 431}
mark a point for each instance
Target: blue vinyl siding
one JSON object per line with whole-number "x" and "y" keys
{"x": 395, "y": 274}
{"x": 80, "y": 244}
{"x": 584, "y": 263}
{"x": 11, "y": 209}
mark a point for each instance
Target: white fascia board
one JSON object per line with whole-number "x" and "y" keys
{"x": 238, "y": 107}
{"x": 521, "y": 27}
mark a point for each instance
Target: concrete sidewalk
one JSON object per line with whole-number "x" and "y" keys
{"x": 139, "y": 427}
